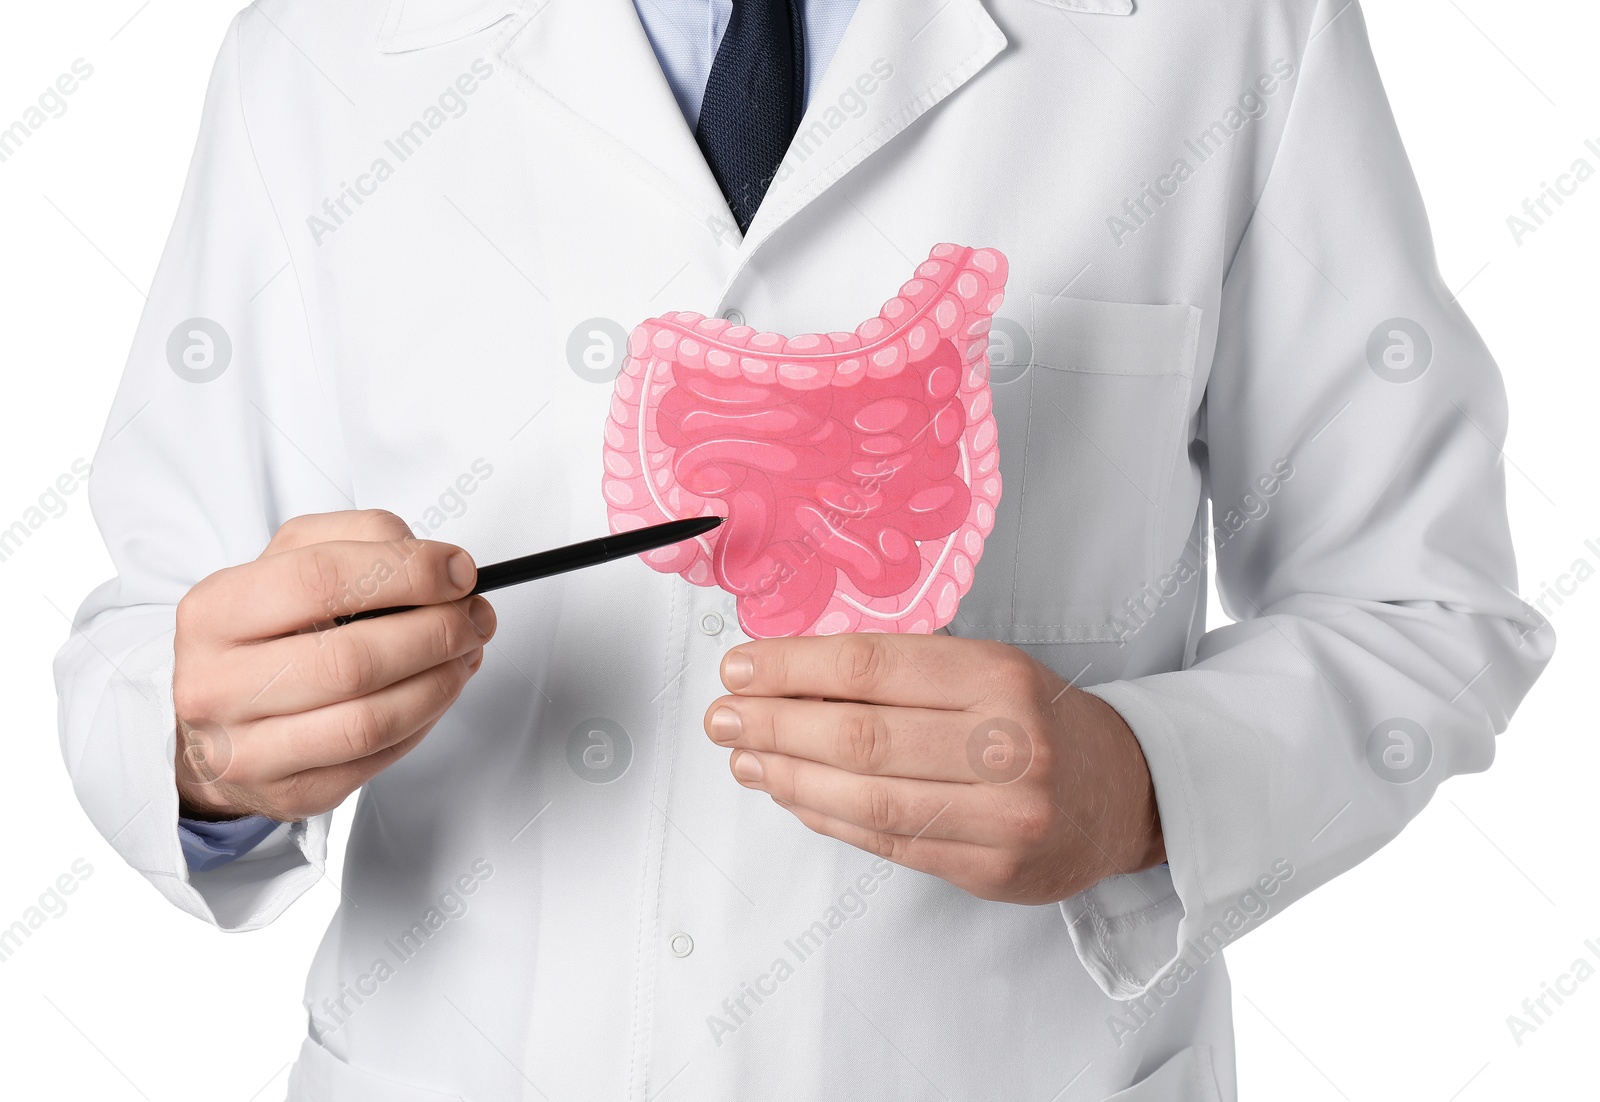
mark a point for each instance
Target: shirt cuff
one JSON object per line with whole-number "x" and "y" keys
{"x": 210, "y": 845}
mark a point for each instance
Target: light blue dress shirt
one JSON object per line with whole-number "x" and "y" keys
{"x": 209, "y": 845}
{"x": 685, "y": 35}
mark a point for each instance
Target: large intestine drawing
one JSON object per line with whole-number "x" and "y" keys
{"x": 858, "y": 472}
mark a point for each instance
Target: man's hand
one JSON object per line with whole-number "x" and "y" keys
{"x": 280, "y": 720}
{"x": 962, "y": 758}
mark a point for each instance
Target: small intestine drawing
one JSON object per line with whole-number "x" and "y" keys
{"x": 859, "y": 472}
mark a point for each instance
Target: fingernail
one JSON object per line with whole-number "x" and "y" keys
{"x": 747, "y": 767}
{"x": 462, "y": 572}
{"x": 725, "y": 725}
{"x": 481, "y": 613}
{"x": 737, "y": 670}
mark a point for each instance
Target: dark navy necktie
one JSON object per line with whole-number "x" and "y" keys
{"x": 753, "y": 102}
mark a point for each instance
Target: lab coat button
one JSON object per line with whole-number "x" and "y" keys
{"x": 711, "y": 623}
{"x": 733, "y": 315}
{"x": 681, "y": 945}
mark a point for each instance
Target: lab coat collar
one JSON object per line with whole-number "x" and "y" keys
{"x": 897, "y": 61}
{"x": 1093, "y": 7}
{"x": 592, "y": 58}
{"x": 418, "y": 24}
{"x": 928, "y": 48}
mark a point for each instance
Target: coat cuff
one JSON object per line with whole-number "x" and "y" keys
{"x": 1133, "y": 931}
{"x": 1125, "y": 930}
{"x": 135, "y": 805}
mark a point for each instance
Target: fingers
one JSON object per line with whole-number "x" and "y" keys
{"x": 349, "y": 730}
{"x": 949, "y": 860}
{"x": 861, "y": 738}
{"x": 285, "y": 592}
{"x": 376, "y": 525}
{"x": 299, "y": 672}
{"x": 883, "y": 805}
{"x": 910, "y": 671}
{"x": 317, "y": 790}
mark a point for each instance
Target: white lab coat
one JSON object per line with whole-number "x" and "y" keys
{"x": 514, "y": 928}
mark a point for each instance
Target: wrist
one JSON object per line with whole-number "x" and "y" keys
{"x": 196, "y": 813}
{"x": 1136, "y": 833}
{"x": 203, "y": 753}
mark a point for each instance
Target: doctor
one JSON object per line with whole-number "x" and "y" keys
{"x": 1001, "y": 862}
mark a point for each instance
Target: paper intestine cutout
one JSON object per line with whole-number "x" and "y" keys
{"x": 859, "y": 472}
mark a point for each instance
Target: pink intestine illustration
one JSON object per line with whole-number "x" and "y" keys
{"x": 858, "y": 472}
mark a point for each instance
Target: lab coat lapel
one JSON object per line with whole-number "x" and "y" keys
{"x": 591, "y": 58}
{"x": 898, "y": 58}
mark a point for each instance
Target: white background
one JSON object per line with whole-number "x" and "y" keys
{"x": 1394, "y": 982}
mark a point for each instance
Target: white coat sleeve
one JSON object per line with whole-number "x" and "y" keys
{"x": 1380, "y": 645}
{"x": 220, "y": 431}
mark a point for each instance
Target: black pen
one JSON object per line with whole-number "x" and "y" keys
{"x": 559, "y": 560}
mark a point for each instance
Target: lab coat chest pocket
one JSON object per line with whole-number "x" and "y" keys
{"x": 1092, "y": 434}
